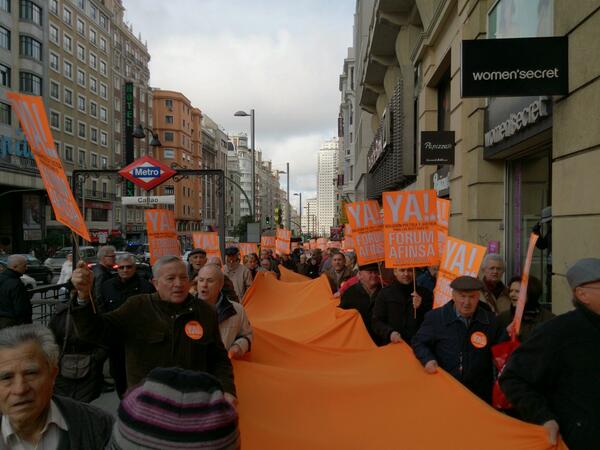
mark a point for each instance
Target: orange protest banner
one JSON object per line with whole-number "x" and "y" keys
{"x": 282, "y": 242}
{"x": 366, "y": 227}
{"x": 246, "y": 248}
{"x": 34, "y": 122}
{"x": 162, "y": 235}
{"x": 410, "y": 234}
{"x": 515, "y": 327}
{"x": 267, "y": 243}
{"x": 209, "y": 242}
{"x": 443, "y": 217}
{"x": 460, "y": 258}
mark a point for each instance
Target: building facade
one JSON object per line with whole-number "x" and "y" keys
{"x": 326, "y": 185}
{"x": 309, "y": 217}
{"x": 501, "y": 185}
{"x": 233, "y": 215}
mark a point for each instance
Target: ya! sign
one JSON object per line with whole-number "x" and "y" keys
{"x": 209, "y": 242}
{"x": 162, "y": 235}
{"x": 460, "y": 258}
{"x": 410, "y": 229}
{"x": 367, "y": 230}
{"x": 282, "y": 242}
{"x": 267, "y": 243}
{"x": 32, "y": 116}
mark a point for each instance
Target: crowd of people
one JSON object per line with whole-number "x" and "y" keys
{"x": 169, "y": 344}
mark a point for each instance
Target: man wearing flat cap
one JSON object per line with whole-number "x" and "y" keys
{"x": 553, "y": 379}
{"x": 361, "y": 295}
{"x": 458, "y": 337}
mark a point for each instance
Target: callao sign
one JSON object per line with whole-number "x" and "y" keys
{"x": 147, "y": 172}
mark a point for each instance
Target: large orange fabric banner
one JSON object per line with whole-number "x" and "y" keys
{"x": 209, "y": 242}
{"x": 410, "y": 229}
{"x": 162, "y": 235}
{"x": 443, "y": 217}
{"x": 367, "y": 230}
{"x": 315, "y": 380}
{"x": 246, "y": 248}
{"x": 460, "y": 258}
{"x": 34, "y": 122}
{"x": 267, "y": 243}
{"x": 282, "y": 241}
{"x": 515, "y": 326}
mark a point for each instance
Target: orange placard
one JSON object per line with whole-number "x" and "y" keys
{"x": 282, "y": 242}
{"x": 460, "y": 258}
{"x": 515, "y": 327}
{"x": 162, "y": 234}
{"x": 267, "y": 243}
{"x": 246, "y": 248}
{"x": 366, "y": 227}
{"x": 34, "y": 122}
{"x": 443, "y": 217}
{"x": 410, "y": 234}
{"x": 209, "y": 242}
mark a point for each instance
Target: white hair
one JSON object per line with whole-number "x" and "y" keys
{"x": 492, "y": 257}
{"x": 106, "y": 249}
{"x": 126, "y": 257}
{"x": 14, "y": 336}
{"x": 163, "y": 262}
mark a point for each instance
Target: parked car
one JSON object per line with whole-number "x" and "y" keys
{"x": 35, "y": 269}
{"x": 29, "y": 282}
{"x": 54, "y": 263}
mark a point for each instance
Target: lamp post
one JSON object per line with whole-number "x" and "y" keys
{"x": 299, "y": 210}
{"x": 287, "y": 172}
{"x": 139, "y": 133}
{"x": 252, "y": 174}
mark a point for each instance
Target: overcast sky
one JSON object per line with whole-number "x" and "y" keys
{"x": 281, "y": 57}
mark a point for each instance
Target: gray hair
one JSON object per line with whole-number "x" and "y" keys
{"x": 163, "y": 261}
{"x": 15, "y": 260}
{"x": 492, "y": 257}
{"x": 126, "y": 257}
{"x": 106, "y": 249}
{"x": 14, "y": 336}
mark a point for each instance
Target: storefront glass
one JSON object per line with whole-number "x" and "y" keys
{"x": 521, "y": 18}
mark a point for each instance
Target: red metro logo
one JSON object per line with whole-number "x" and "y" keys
{"x": 147, "y": 172}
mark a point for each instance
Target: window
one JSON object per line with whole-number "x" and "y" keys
{"x": 99, "y": 215}
{"x": 93, "y": 60}
{"x": 54, "y": 90}
{"x": 102, "y": 44}
{"x": 103, "y": 21}
{"x": 103, "y": 91}
{"x": 5, "y": 5}
{"x": 93, "y": 109}
{"x": 54, "y": 34}
{"x": 68, "y": 125}
{"x": 4, "y": 38}
{"x": 93, "y": 134}
{"x": 81, "y": 4}
{"x": 81, "y": 130}
{"x": 68, "y": 69}
{"x": 54, "y": 6}
{"x": 93, "y": 84}
{"x": 103, "y": 68}
{"x": 92, "y": 36}
{"x": 67, "y": 15}
{"x": 169, "y": 190}
{"x": 521, "y": 18}
{"x": 5, "y": 74}
{"x": 169, "y": 104}
{"x": 80, "y": 26}
{"x": 54, "y": 62}
{"x": 5, "y": 113}
{"x": 68, "y": 97}
{"x": 168, "y": 136}
{"x": 103, "y": 114}
{"x": 80, "y": 52}
{"x": 104, "y": 162}
{"x": 81, "y": 103}
{"x": 93, "y": 12}
{"x": 54, "y": 119}
{"x": 67, "y": 43}
{"x": 103, "y": 139}
{"x": 30, "y": 47}
{"x": 81, "y": 158}
{"x": 169, "y": 119}
{"x": 81, "y": 77}
{"x": 168, "y": 153}
{"x": 117, "y": 147}
{"x": 94, "y": 160}
{"x": 30, "y": 11}
{"x": 68, "y": 153}
{"x": 30, "y": 83}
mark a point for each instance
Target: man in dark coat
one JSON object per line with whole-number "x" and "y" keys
{"x": 459, "y": 336}
{"x": 15, "y": 304}
{"x": 338, "y": 273}
{"x": 167, "y": 329}
{"x": 399, "y": 310}
{"x": 103, "y": 271}
{"x": 361, "y": 296}
{"x": 552, "y": 379}
{"x": 115, "y": 293}
{"x": 196, "y": 260}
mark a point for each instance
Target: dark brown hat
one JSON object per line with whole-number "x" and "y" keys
{"x": 372, "y": 267}
{"x": 466, "y": 283}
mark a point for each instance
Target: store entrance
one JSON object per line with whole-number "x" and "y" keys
{"x": 529, "y": 199}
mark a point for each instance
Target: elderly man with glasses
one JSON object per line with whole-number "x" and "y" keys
{"x": 115, "y": 293}
{"x": 103, "y": 271}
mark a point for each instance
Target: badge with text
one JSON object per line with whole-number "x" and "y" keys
{"x": 194, "y": 330}
{"x": 478, "y": 339}
{"x": 437, "y": 147}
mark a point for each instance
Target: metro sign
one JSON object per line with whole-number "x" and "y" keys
{"x": 147, "y": 172}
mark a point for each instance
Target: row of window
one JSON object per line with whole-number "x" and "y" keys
{"x": 29, "y": 83}
{"x": 96, "y": 161}
{"x": 97, "y": 88}
{"x": 94, "y": 136}
{"x": 93, "y": 61}
{"x": 91, "y": 11}
{"x": 28, "y": 10}
{"x": 28, "y": 46}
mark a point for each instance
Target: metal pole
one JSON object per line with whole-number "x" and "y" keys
{"x": 253, "y": 212}
{"x": 222, "y": 212}
{"x": 300, "y": 214}
{"x": 289, "y": 207}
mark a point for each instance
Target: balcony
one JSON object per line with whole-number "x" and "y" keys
{"x": 90, "y": 194}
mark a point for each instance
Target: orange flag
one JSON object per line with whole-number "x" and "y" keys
{"x": 162, "y": 235}
{"x": 209, "y": 241}
{"x": 515, "y": 327}
{"x": 367, "y": 230}
{"x": 32, "y": 116}
{"x": 443, "y": 217}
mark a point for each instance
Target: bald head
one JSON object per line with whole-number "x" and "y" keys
{"x": 18, "y": 263}
{"x": 210, "y": 282}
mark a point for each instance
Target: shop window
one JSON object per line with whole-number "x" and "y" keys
{"x": 443, "y": 95}
{"x": 521, "y": 18}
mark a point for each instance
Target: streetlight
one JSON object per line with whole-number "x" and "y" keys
{"x": 251, "y": 115}
{"x": 289, "y": 217}
{"x": 300, "y": 209}
{"x": 139, "y": 133}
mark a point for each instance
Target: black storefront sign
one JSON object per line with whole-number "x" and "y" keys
{"x": 437, "y": 147}
{"x": 515, "y": 67}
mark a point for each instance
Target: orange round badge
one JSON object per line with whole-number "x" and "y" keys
{"x": 478, "y": 339}
{"x": 194, "y": 330}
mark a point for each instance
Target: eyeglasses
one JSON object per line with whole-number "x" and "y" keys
{"x": 124, "y": 267}
{"x": 110, "y": 256}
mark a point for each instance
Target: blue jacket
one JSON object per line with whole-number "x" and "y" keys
{"x": 463, "y": 352}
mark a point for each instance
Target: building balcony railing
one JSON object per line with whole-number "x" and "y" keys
{"x": 18, "y": 162}
{"x": 99, "y": 195}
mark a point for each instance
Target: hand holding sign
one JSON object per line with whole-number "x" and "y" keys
{"x": 82, "y": 280}
{"x": 416, "y": 299}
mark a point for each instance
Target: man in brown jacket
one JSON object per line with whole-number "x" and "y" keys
{"x": 494, "y": 293}
{"x": 338, "y": 272}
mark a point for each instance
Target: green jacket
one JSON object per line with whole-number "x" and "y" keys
{"x": 154, "y": 334}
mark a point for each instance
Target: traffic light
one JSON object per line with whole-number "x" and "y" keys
{"x": 277, "y": 216}
{"x": 280, "y": 216}
{"x": 268, "y": 220}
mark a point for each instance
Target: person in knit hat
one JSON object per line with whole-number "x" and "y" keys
{"x": 176, "y": 409}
